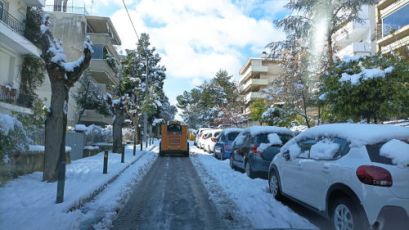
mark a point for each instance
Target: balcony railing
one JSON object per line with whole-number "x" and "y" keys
{"x": 70, "y": 9}
{"x": 8, "y": 94}
{"x": 12, "y": 22}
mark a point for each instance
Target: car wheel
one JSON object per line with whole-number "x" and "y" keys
{"x": 346, "y": 215}
{"x": 247, "y": 168}
{"x": 274, "y": 185}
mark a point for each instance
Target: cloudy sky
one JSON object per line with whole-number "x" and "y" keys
{"x": 195, "y": 38}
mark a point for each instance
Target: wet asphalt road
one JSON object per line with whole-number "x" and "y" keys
{"x": 171, "y": 196}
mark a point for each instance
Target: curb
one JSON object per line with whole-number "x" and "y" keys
{"x": 97, "y": 191}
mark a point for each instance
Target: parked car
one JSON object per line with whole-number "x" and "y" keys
{"x": 202, "y": 138}
{"x": 211, "y": 140}
{"x": 356, "y": 175}
{"x": 198, "y": 135}
{"x": 251, "y": 152}
{"x": 223, "y": 147}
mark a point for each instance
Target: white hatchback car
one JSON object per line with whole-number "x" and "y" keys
{"x": 356, "y": 175}
{"x": 211, "y": 140}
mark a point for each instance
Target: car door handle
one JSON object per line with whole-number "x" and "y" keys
{"x": 325, "y": 169}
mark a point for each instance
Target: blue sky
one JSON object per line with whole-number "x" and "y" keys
{"x": 196, "y": 38}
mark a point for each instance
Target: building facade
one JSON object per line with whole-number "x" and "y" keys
{"x": 13, "y": 47}
{"x": 104, "y": 69}
{"x": 392, "y": 17}
{"x": 256, "y": 76}
{"x": 357, "y": 38}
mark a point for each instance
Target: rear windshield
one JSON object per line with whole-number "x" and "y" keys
{"x": 175, "y": 128}
{"x": 231, "y": 136}
{"x": 375, "y": 156}
{"x": 263, "y": 138}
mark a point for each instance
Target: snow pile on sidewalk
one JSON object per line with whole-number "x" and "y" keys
{"x": 29, "y": 203}
{"x": 249, "y": 195}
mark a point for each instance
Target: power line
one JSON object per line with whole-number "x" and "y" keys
{"x": 129, "y": 16}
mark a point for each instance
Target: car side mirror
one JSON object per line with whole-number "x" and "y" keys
{"x": 286, "y": 155}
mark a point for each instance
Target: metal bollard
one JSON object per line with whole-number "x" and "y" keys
{"x": 134, "y": 148}
{"x": 105, "y": 162}
{"x": 123, "y": 155}
{"x": 61, "y": 183}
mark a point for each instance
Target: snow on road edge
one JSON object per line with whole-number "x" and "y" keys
{"x": 250, "y": 196}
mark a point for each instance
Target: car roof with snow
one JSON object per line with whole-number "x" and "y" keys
{"x": 232, "y": 130}
{"x": 356, "y": 134}
{"x": 255, "y": 130}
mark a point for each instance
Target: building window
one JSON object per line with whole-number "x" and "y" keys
{"x": 395, "y": 20}
{"x": 98, "y": 51}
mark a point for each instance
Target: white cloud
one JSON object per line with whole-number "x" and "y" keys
{"x": 196, "y": 38}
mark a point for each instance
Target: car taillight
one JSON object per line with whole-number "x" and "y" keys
{"x": 213, "y": 139}
{"x": 374, "y": 175}
{"x": 253, "y": 149}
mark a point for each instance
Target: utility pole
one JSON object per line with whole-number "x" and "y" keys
{"x": 145, "y": 114}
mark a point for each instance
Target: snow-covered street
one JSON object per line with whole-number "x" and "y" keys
{"x": 242, "y": 197}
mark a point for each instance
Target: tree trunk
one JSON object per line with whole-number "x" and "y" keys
{"x": 117, "y": 131}
{"x": 55, "y": 128}
{"x": 330, "y": 51}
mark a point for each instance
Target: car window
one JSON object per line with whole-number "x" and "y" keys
{"x": 305, "y": 147}
{"x": 231, "y": 136}
{"x": 222, "y": 137}
{"x": 326, "y": 148}
{"x": 263, "y": 138}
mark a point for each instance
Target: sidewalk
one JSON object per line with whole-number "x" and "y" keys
{"x": 29, "y": 203}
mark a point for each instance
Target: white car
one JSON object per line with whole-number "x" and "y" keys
{"x": 211, "y": 140}
{"x": 198, "y": 135}
{"x": 356, "y": 175}
{"x": 202, "y": 138}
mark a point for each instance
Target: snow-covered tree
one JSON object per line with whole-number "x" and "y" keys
{"x": 141, "y": 86}
{"x": 92, "y": 97}
{"x": 373, "y": 88}
{"x": 62, "y": 75}
{"x": 212, "y": 103}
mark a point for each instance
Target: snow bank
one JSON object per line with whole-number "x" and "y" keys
{"x": 29, "y": 203}
{"x": 249, "y": 196}
{"x": 324, "y": 149}
{"x": 396, "y": 150}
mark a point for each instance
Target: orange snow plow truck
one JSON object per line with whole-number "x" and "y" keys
{"x": 174, "y": 139}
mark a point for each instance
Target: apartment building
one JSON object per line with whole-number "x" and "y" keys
{"x": 257, "y": 74}
{"x": 72, "y": 28}
{"x": 392, "y": 17}
{"x": 13, "y": 47}
{"x": 357, "y": 38}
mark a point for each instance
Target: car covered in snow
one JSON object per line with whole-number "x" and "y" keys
{"x": 248, "y": 147}
{"x": 198, "y": 135}
{"x": 223, "y": 147}
{"x": 211, "y": 139}
{"x": 356, "y": 175}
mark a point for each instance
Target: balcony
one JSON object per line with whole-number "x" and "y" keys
{"x": 356, "y": 49}
{"x": 352, "y": 32}
{"x": 8, "y": 101}
{"x": 254, "y": 95}
{"x": 251, "y": 70}
{"x": 101, "y": 72}
{"x": 395, "y": 40}
{"x": 107, "y": 41}
{"x": 253, "y": 83}
{"x": 93, "y": 117}
{"x": 11, "y": 35}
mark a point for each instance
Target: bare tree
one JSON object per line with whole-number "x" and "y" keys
{"x": 62, "y": 76}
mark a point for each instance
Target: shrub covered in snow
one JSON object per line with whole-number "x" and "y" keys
{"x": 13, "y": 137}
{"x": 94, "y": 133}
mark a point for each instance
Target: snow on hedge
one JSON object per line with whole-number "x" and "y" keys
{"x": 324, "y": 149}
{"x": 396, "y": 150}
{"x": 365, "y": 74}
{"x": 8, "y": 123}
